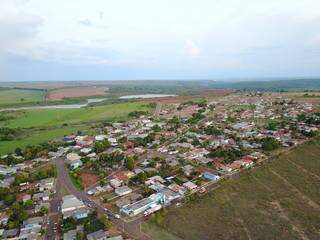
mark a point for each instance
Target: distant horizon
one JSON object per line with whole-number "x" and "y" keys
{"x": 178, "y": 80}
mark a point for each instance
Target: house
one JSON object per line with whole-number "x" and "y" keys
{"x": 6, "y": 183}
{"x": 5, "y": 170}
{"x": 71, "y": 206}
{"x": 154, "y": 179}
{"x": 26, "y": 197}
{"x": 210, "y": 176}
{"x": 73, "y": 157}
{"x": 124, "y": 190}
{"x": 98, "y": 235}
{"x": 46, "y": 184}
{"x": 70, "y": 235}
{"x": 169, "y": 195}
{"x": 10, "y": 234}
{"x": 4, "y": 217}
{"x": 115, "y": 182}
{"x": 80, "y": 213}
{"x": 32, "y": 225}
{"x": 190, "y": 185}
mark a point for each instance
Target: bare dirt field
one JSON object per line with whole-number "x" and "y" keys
{"x": 207, "y": 93}
{"x": 88, "y": 179}
{"x": 73, "y": 92}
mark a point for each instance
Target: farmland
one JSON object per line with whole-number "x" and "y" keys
{"x": 280, "y": 200}
{"x": 74, "y": 92}
{"x": 17, "y": 96}
{"x": 57, "y": 117}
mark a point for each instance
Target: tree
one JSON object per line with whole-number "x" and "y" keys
{"x": 269, "y": 144}
{"x": 101, "y": 146}
{"x": 18, "y": 151}
{"x": 9, "y": 199}
{"x": 129, "y": 163}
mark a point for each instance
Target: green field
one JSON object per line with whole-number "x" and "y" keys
{"x": 17, "y": 96}
{"x": 280, "y": 200}
{"x": 47, "y": 124}
{"x": 37, "y": 137}
{"x": 57, "y": 117}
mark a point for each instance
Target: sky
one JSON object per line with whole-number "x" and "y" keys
{"x": 42, "y": 40}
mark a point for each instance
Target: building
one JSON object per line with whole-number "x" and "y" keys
{"x": 46, "y": 184}
{"x": 98, "y": 235}
{"x": 5, "y": 170}
{"x": 124, "y": 190}
{"x": 74, "y": 161}
{"x": 142, "y": 205}
{"x": 210, "y": 176}
{"x": 71, "y": 206}
{"x": 70, "y": 235}
{"x": 190, "y": 185}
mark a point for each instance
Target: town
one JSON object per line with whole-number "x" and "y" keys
{"x": 104, "y": 185}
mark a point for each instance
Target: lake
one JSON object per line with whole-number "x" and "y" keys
{"x": 61, "y": 106}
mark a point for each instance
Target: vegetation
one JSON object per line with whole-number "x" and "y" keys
{"x": 269, "y": 144}
{"x": 18, "y": 96}
{"x": 269, "y": 202}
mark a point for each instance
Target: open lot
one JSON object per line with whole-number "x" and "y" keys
{"x": 280, "y": 200}
{"x": 17, "y": 96}
{"x": 75, "y": 92}
{"x": 57, "y": 117}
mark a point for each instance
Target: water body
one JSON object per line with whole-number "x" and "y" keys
{"x": 147, "y": 96}
{"x": 61, "y": 106}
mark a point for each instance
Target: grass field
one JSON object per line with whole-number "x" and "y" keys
{"x": 57, "y": 117}
{"x": 280, "y": 200}
{"x": 37, "y": 137}
{"x": 15, "y": 96}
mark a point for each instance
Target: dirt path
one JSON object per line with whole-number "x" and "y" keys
{"x": 303, "y": 169}
{"x": 238, "y": 217}
{"x": 294, "y": 189}
{"x": 282, "y": 213}
{"x": 284, "y": 216}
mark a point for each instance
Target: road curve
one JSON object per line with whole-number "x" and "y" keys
{"x": 129, "y": 228}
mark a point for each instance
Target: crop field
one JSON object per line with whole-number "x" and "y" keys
{"x": 75, "y": 92}
{"x": 17, "y": 96}
{"x": 279, "y": 200}
{"x": 57, "y": 117}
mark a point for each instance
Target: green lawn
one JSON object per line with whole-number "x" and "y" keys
{"x": 15, "y": 96}
{"x": 280, "y": 200}
{"x": 57, "y": 117}
{"x": 37, "y": 137}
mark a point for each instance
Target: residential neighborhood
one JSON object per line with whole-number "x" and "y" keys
{"x": 102, "y": 186}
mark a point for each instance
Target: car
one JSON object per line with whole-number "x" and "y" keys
{"x": 117, "y": 216}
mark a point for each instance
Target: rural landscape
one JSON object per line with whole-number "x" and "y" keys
{"x": 166, "y": 160}
{"x": 159, "y": 120}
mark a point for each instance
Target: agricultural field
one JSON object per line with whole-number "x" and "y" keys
{"x": 57, "y": 117}
{"x": 279, "y": 200}
{"x": 76, "y": 92}
{"x": 18, "y": 96}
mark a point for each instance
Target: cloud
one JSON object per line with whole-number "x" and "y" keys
{"x": 205, "y": 38}
{"x": 192, "y": 49}
{"x": 85, "y": 22}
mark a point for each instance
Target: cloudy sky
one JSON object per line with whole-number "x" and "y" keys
{"x": 158, "y": 39}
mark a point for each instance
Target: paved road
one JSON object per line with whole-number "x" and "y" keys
{"x": 54, "y": 215}
{"x": 129, "y": 228}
